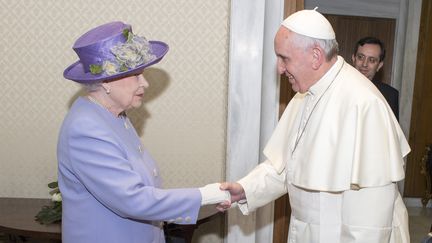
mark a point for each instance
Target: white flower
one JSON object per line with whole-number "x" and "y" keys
{"x": 134, "y": 52}
{"x": 128, "y": 56}
{"x": 56, "y": 197}
{"x": 109, "y": 68}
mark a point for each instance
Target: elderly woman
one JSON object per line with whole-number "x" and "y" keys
{"x": 110, "y": 184}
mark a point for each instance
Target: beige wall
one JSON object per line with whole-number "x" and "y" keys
{"x": 183, "y": 121}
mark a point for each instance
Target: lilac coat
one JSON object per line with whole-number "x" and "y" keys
{"x": 110, "y": 184}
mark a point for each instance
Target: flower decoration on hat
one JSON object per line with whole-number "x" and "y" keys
{"x": 134, "y": 52}
{"x": 111, "y": 51}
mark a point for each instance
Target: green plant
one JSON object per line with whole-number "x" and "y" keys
{"x": 51, "y": 213}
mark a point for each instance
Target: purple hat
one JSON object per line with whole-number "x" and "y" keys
{"x": 112, "y": 51}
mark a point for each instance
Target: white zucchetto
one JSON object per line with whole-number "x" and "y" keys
{"x": 310, "y": 23}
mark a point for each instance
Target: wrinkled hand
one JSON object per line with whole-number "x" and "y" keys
{"x": 237, "y": 193}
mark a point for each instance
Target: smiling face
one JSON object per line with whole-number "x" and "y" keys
{"x": 367, "y": 60}
{"x": 293, "y": 60}
{"x": 126, "y": 93}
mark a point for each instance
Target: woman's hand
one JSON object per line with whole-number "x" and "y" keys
{"x": 237, "y": 193}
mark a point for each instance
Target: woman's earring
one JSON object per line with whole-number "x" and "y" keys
{"x": 107, "y": 89}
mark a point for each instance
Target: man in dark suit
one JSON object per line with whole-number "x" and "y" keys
{"x": 368, "y": 58}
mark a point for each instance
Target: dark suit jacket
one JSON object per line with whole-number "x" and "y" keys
{"x": 391, "y": 95}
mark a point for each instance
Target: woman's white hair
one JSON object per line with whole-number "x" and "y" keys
{"x": 330, "y": 47}
{"x": 92, "y": 86}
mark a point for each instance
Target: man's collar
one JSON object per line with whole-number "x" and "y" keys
{"x": 322, "y": 84}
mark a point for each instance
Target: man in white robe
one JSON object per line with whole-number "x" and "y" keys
{"x": 337, "y": 150}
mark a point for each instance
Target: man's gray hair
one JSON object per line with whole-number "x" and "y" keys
{"x": 330, "y": 47}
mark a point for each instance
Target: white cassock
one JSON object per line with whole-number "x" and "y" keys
{"x": 338, "y": 150}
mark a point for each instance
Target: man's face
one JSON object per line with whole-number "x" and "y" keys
{"x": 292, "y": 61}
{"x": 367, "y": 60}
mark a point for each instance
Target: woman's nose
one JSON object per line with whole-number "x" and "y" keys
{"x": 142, "y": 81}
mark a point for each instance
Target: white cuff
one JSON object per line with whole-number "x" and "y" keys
{"x": 211, "y": 194}
{"x": 243, "y": 206}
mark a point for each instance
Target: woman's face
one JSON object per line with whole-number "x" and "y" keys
{"x": 127, "y": 92}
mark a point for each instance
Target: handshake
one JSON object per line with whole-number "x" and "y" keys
{"x": 223, "y": 194}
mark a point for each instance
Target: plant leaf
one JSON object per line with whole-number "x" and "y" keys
{"x": 95, "y": 69}
{"x": 126, "y": 33}
{"x": 53, "y": 185}
{"x": 123, "y": 68}
{"x": 56, "y": 190}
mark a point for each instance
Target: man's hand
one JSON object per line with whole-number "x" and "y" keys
{"x": 237, "y": 193}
